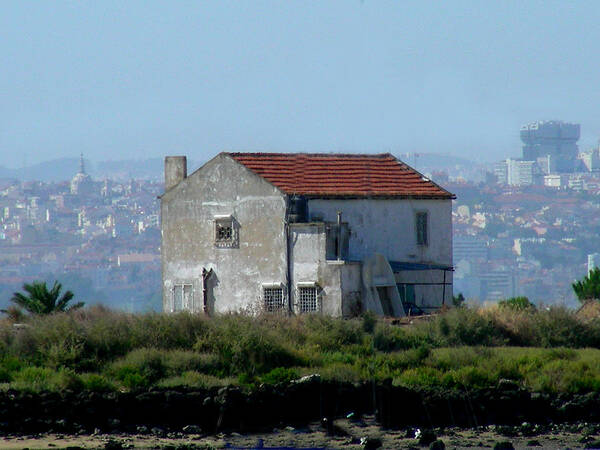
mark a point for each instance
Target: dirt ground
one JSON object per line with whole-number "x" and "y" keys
{"x": 346, "y": 434}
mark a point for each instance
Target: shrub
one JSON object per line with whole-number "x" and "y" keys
{"x": 96, "y": 382}
{"x": 332, "y": 334}
{"x": 179, "y": 361}
{"x": 139, "y": 368}
{"x": 279, "y": 375}
{"x": 517, "y": 303}
{"x": 389, "y": 338}
{"x": 44, "y": 379}
{"x": 465, "y": 326}
{"x": 458, "y": 300}
{"x": 244, "y": 346}
{"x": 195, "y": 380}
{"x": 369, "y": 320}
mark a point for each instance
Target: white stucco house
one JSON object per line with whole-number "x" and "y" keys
{"x": 335, "y": 234}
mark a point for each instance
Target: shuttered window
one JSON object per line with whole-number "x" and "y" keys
{"x": 421, "y": 226}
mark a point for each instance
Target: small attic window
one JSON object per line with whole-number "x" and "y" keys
{"x": 225, "y": 232}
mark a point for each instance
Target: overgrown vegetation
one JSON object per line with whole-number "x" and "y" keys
{"x": 548, "y": 349}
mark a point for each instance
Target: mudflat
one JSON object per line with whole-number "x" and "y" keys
{"x": 365, "y": 433}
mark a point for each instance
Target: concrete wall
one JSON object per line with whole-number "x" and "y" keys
{"x": 388, "y": 227}
{"x": 223, "y": 187}
{"x": 338, "y": 281}
{"x": 307, "y": 253}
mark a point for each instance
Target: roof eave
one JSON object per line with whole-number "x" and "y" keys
{"x": 352, "y": 196}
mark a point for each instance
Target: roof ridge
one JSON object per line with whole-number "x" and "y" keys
{"x": 340, "y": 174}
{"x": 316, "y": 154}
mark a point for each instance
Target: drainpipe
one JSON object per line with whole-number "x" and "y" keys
{"x": 205, "y": 276}
{"x": 339, "y": 235}
{"x": 288, "y": 272}
{"x": 444, "y": 289}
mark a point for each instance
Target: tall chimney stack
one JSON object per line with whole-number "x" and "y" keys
{"x": 175, "y": 170}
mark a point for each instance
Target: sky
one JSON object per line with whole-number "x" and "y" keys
{"x": 140, "y": 79}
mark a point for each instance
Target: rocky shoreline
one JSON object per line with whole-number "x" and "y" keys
{"x": 295, "y": 404}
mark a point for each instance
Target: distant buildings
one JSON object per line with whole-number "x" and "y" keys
{"x": 552, "y": 144}
{"x": 591, "y": 159}
{"x": 593, "y": 261}
{"x": 82, "y": 183}
{"x": 549, "y": 148}
{"x": 516, "y": 172}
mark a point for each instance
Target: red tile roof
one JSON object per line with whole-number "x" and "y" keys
{"x": 341, "y": 175}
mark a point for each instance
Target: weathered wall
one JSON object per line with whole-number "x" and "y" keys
{"x": 223, "y": 187}
{"x": 307, "y": 254}
{"x": 388, "y": 227}
{"x": 339, "y": 281}
{"x": 351, "y": 289}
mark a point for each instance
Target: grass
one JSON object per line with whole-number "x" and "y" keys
{"x": 544, "y": 350}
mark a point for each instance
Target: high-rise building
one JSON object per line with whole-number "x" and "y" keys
{"x": 593, "y": 261}
{"x": 552, "y": 144}
{"x": 515, "y": 172}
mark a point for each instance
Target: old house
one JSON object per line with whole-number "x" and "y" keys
{"x": 334, "y": 234}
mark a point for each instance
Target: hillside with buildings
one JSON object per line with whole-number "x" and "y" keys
{"x": 515, "y": 233}
{"x": 100, "y": 238}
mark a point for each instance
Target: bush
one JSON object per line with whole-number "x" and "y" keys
{"x": 388, "y": 338}
{"x": 98, "y": 349}
{"x": 246, "y": 346}
{"x": 45, "y": 379}
{"x": 195, "y": 380}
{"x": 517, "y": 304}
{"x": 330, "y": 334}
{"x": 369, "y": 320}
{"x": 139, "y": 368}
{"x": 96, "y": 382}
{"x": 279, "y": 375}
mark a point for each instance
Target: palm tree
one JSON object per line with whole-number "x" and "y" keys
{"x": 589, "y": 287}
{"x": 43, "y": 301}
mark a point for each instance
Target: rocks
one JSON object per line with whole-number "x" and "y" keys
{"x": 113, "y": 445}
{"x": 157, "y": 431}
{"x": 438, "y": 444}
{"x": 314, "y": 378}
{"x": 426, "y": 437}
{"x": 192, "y": 429}
{"x": 371, "y": 443}
{"x": 503, "y": 445}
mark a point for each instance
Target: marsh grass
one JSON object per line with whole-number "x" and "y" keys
{"x": 547, "y": 350}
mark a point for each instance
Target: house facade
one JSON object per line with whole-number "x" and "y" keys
{"x": 335, "y": 234}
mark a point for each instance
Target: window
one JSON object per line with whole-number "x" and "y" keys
{"x": 273, "y": 299}
{"x": 307, "y": 299}
{"x": 421, "y": 224}
{"x": 225, "y": 232}
{"x": 183, "y": 296}
{"x": 337, "y": 241}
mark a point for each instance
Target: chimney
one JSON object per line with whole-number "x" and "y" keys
{"x": 175, "y": 170}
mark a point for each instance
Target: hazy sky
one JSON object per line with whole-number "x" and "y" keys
{"x": 132, "y": 79}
